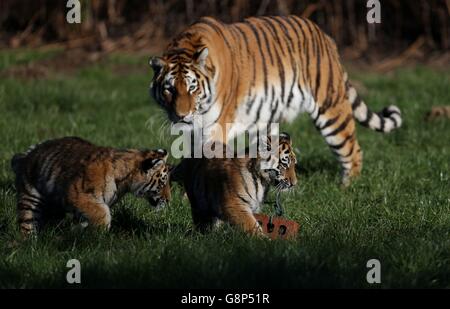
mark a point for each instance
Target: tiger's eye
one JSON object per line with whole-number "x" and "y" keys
{"x": 167, "y": 95}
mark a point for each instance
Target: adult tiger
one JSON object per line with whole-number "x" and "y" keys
{"x": 264, "y": 70}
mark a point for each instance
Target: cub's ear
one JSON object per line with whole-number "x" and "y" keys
{"x": 285, "y": 138}
{"x": 157, "y": 63}
{"x": 150, "y": 163}
{"x": 161, "y": 153}
{"x": 200, "y": 56}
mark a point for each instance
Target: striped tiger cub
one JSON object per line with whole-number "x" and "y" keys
{"x": 264, "y": 70}
{"x": 73, "y": 175}
{"x": 232, "y": 189}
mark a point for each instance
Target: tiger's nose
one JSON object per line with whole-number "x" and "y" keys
{"x": 186, "y": 117}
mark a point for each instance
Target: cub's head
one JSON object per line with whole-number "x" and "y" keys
{"x": 282, "y": 166}
{"x": 151, "y": 179}
{"x": 182, "y": 83}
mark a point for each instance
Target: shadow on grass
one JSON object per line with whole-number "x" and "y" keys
{"x": 124, "y": 221}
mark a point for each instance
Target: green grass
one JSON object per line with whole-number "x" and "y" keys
{"x": 13, "y": 57}
{"x": 397, "y": 212}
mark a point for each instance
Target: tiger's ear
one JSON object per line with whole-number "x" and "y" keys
{"x": 161, "y": 153}
{"x": 200, "y": 56}
{"x": 157, "y": 63}
{"x": 286, "y": 138}
{"x": 151, "y": 163}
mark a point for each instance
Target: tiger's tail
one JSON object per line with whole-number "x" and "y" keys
{"x": 388, "y": 119}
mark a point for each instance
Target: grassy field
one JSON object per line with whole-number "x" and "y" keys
{"x": 398, "y": 211}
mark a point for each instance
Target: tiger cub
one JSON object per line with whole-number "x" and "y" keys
{"x": 232, "y": 189}
{"x": 73, "y": 175}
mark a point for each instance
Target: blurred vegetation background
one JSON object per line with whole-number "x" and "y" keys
{"x": 412, "y": 29}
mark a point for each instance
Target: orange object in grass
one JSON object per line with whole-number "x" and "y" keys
{"x": 279, "y": 228}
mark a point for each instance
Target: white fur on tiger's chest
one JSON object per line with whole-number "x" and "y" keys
{"x": 206, "y": 121}
{"x": 256, "y": 112}
{"x": 262, "y": 110}
{"x": 302, "y": 102}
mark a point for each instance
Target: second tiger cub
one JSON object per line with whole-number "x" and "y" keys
{"x": 233, "y": 189}
{"x": 73, "y": 175}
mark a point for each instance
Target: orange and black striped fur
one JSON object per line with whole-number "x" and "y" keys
{"x": 264, "y": 70}
{"x": 232, "y": 189}
{"x": 72, "y": 175}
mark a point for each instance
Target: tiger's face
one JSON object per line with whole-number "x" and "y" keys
{"x": 181, "y": 84}
{"x": 151, "y": 180}
{"x": 282, "y": 174}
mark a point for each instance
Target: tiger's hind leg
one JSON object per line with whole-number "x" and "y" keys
{"x": 337, "y": 126}
{"x": 29, "y": 211}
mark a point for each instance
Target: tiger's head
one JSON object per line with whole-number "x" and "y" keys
{"x": 151, "y": 179}
{"x": 282, "y": 166}
{"x": 182, "y": 83}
